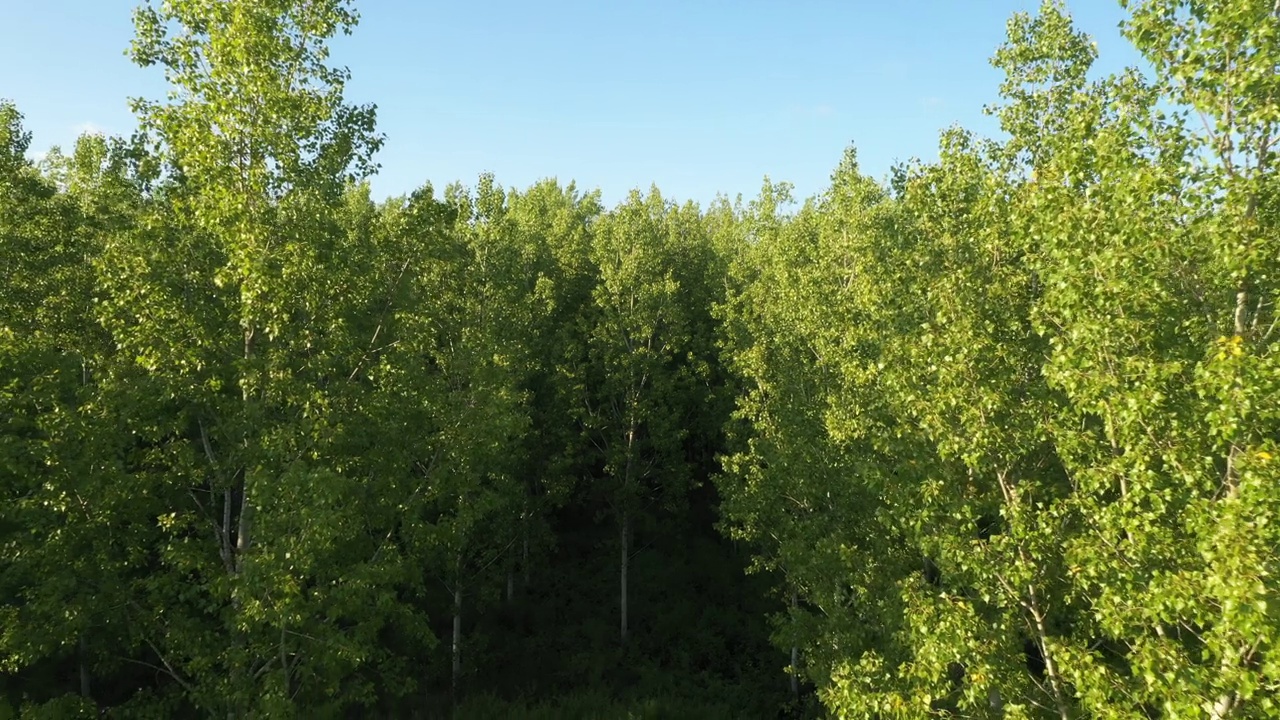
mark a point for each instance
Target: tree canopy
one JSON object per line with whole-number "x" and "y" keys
{"x": 995, "y": 436}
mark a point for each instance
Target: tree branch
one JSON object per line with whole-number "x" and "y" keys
{"x": 168, "y": 669}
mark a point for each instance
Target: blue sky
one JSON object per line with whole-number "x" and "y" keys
{"x": 697, "y": 96}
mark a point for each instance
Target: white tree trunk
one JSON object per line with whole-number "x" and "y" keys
{"x": 625, "y": 562}
{"x": 457, "y": 639}
{"x": 83, "y": 653}
{"x": 795, "y": 656}
{"x": 524, "y": 559}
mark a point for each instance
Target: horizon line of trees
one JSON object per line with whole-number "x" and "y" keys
{"x": 994, "y": 438}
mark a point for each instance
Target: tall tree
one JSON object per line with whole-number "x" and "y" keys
{"x": 61, "y": 488}
{"x": 640, "y": 387}
{"x": 223, "y": 299}
{"x": 1155, "y": 209}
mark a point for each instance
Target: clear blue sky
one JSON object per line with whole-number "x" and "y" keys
{"x": 697, "y": 96}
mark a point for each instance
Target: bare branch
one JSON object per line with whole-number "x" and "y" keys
{"x": 168, "y": 669}
{"x": 208, "y": 449}
{"x": 381, "y": 321}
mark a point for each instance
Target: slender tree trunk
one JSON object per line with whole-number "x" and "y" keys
{"x": 1050, "y": 662}
{"x": 1034, "y": 608}
{"x": 1223, "y": 706}
{"x": 795, "y": 655}
{"x": 795, "y": 673}
{"x": 1241, "y": 316}
{"x": 456, "y": 650}
{"x": 624, "y": 528}
{"x": 244, "y": 525}
{"x": 284, "y": 663}
{"x": 624, "y": 559}
{"x": 82, "y": 653}
{"x": 524, "y": 553}
{"x": 1226, "y": 703}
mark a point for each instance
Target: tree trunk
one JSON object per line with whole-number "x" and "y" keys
{"x": 625, "y": 528}
{"x": 244, "y": 523}
{"x": 795, "y": 656}
{"x": 456, "y": 650}
{"x": 795, "y": 673}
{"x": 1032, "y": 605}
{"x": 1227, "y": 703}
{"x": 83, "y": 659}
{"x": 1223, "y": 707}
{"x": 524, "y": 559}
{"x": 1050, "y": 664}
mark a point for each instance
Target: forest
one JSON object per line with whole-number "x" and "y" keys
{"x": 993, "y": 437}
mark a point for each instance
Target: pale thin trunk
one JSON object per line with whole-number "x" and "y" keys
{"x": 524, "y": 564}
{"x": 225, "y": 549}
{"x": 1241, "y": 317}
{"x": 1050, "y": 664}
{"x": 1033, "y": 607}
{"x": 1241, "y": 328}
{"x": 1124, "y": 479}
{"x": 284, "y": 663}
{"x": 228, "y": 551}
{"x": 233, "y": 542}
{"x": 244, "y": 524}
{"x": 625, "y": 534}
{"x": 511, "y": 585}
{"x": 244, "y": 527}
{"x": 795, "y": 672}
{"x": 1244, "y": 327}
{"x": 1223, "y": 707}
{"x": 83, "y": 658}
{"x": 456, "y": 665}
{"x": 1227, "y": 703}
{"x": 457, "y": 636}
{"x": 625, "y": 562}
{"x": 240, "y": 672}
{"x": 524, "y": 550}
{"x": 795, "y": 653}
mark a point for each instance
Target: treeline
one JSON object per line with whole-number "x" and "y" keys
{"x": 993, "y": 438}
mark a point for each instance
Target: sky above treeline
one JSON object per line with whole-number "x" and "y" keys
{"x": 699, "y": 97}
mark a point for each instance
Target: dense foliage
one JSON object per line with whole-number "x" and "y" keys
{"x": 994, "y": 438}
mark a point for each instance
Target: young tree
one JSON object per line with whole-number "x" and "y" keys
{"x": 61, "y": 489}
{"x": 787, "y": 487}
{"x": 641, "y": 385}
{"x": 1154, "y": 207}
{"x": 229, "y": 297}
